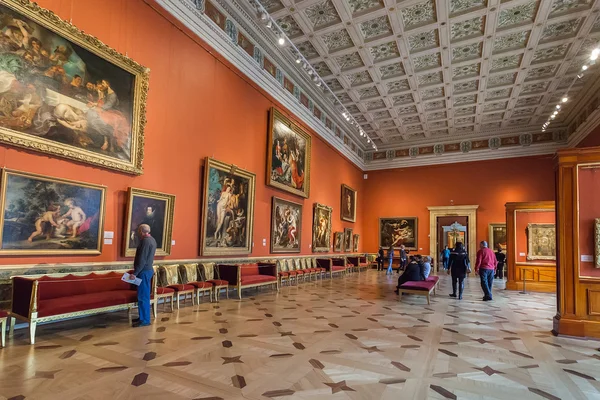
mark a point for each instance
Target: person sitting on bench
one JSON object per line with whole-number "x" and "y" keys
{"x": 413, "y": 272}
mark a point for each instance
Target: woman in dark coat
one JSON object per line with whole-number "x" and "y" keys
{"x": 458, "y": 266}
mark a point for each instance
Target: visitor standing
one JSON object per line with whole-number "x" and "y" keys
{"x": 390, "y": 271}
{"x": 485, "y": 267}
{"x": 380, "y": 258}
{"x": 445, "y": 256}
{"x": 458, "y": 266}
{"x": 501, "y": 259}
{"x": 143, "y": 269}
{"x": 403, "y": 258}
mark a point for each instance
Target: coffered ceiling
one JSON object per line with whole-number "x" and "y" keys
{"x": 420, "y": 72}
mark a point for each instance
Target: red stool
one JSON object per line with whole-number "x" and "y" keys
{"x": 3, "y": 319}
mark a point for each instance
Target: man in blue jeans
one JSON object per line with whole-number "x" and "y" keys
{"x": 485, "y": 266}
{"x": 143, "y": 269}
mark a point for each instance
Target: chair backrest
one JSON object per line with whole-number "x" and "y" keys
{"x": 209, "y": 271}
{"x": 304, "y": 263}
{"x": 190, "y": 271}
{"x": 171, "y": 274}
{"x": 280, "y": 266}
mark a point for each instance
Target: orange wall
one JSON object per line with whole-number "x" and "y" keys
{"x": 524, "y": 218}
{"x": 197, "y": 107}
{"x": 589, "y": 209}
{"x": 489, "y": 184}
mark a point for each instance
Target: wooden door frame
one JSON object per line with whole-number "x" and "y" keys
{"x": 453, "y": 211}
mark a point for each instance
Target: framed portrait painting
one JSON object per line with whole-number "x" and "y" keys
{"x": 321, "y": 228}
{"x": 347, "y": 239}
{"x": 67, "y": 93}
{"x": 541, "y": 242}
{"x": 286, "y": 226}
{"x": 348, "y": 206}
{"x": 497, "y": 236}
{"x": 154, "y": 209}
{"x": 228, "y": 209}
{"x": 397, "y": 231}
{"x": 44, "y": 215}
{"x": 338, "y": 241}
{"x": 288, "y": 163}
{"x": 355, "y": 243}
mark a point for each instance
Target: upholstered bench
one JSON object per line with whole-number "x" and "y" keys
{"x": 422, "y": 288}
{"x": 49, "y": 298}
{"x": 435, "y": 279}
{"x": 330, "y": 267}
{"x": 242, "y": 276}
{"x": 359, "y": 262}
{"x": 3, "y": 319}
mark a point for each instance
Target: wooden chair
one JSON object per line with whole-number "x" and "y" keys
{"x": 210, "y": 274}
{"x": 160, "y": 292}
{"x": 190, "y": 276}
{"x": 171, "y": 273}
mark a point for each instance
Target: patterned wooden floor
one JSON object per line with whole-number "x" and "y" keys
{"x": 343, "y": 339}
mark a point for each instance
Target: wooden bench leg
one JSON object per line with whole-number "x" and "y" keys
{"x": 428, "y": 302}
{"x": 3, "y": 333}
{"x": 32, "y": 326}
{"x": 11, "y": 326}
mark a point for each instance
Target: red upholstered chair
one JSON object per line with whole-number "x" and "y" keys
{"x": 171, "y": 275}
{"x": 210, "y": 274}
{"x": 307, "y": 266}
{"x": 283, "y": 273}
{"x": 189, "y": 275}
{"x": 320, "y": 271}
{"x": 3, "y": 319}
{"x": 160, "y": 292}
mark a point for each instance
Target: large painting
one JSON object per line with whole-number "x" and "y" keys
{"x": 497, "y": 237}
{"x": 541, "y": 242}
{"x": 65, "y": 93}
{"x": 348, "y": 206}
{"x": 338, "y": 241}
{"x": 286, "y": 226}
{"x": 155, "y": 210}
{"x": 347, "y": 239}
{"x": 288, "y": 165}
{"x": 397, "y": 231}
{"x": 321, "y": 228}
{"x": 43, "y": 215}
{"x": 228, "y": 209}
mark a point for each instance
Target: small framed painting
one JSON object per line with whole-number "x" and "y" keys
{"x": 338, "y": 241}
{"x": 154, "y": 209}
{"x": 286, "y": 226}
{"x": 355, "y": 243}
{"x": 347, "y": 239}
{"x": 541, "y": 242}
{"x": 497, "y": 236}
{"x": 321, "y": 228}
{"x": 348, "y": 206}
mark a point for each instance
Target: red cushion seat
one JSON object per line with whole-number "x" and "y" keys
{"x": 3, "y": 314}
{"x": 432, "y": 278}
{"x": 164, "y": 290}
{"x": 218, "y": 282}
{"x": 284, "y": 274}
{"x": 181, "y": 288}
{"x": 81, "y": 302}
{"x": 252, "y": 279}
{"x": 418, "y": 285}
{"x": 299, "y": 272}
{"x": 337, "y": 268}
{"x": 201, "y": 285}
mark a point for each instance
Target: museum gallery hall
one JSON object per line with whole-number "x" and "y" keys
{"x": 300, "y": 199}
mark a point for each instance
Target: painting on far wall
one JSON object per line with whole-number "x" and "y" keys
{"x": 227, "y": 209}
{"x": 321, "y": 228}
{"x": 497, "y": 236}
{"x": 44, "y": 215}
{"x": 541, "y": 242}
{"x": 338, "y": 241}
{"x": 355, "y": 243}
{"x": 288, "y": 164}
{"x": 348, "y": 206}
{"x": 65, "y": 93}
{"x": 286, "y": 226}
{"x": 347, "y": 239}
{"x": 154, "y": 209}
{"x": 397, "y": 231}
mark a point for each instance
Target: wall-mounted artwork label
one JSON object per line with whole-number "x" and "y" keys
{"x": 587, "y": 258}
{"x": 43, "y": 215}
{"x": 108, "y": 241}
{"x": 109, "y": 234}
{"x": 65, "y": 93}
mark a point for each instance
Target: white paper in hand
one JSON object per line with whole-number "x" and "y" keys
{"x": 127, "y": 278}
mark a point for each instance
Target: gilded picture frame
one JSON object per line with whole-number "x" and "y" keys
{"x": 154, "y": 209}
{"x": 42, "y": 215}
{"x": 348, "y": 204}
{"x": 348, "y": 240}
{"x": 355, "y": 239}
{"x": 321, "y": 232}
{"x": 541, "y": 242}
{"x": 338, "y": 240}
{"x": 597, "y": 243}
{"x": 89, "y": 127}
{"x": 497, "y": 236}
{"x": 288, "y": 155}
{"x": 399, "y": 231}
{"x": 227, "y": 209}
{"x": 286, "y": 226}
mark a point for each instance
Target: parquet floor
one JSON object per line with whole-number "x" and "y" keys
{"x": 343, "y": 339}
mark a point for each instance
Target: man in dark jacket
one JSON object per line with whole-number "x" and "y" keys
{"x": 458, "y": 266}
{"x": 501, "y": 258}
{"x": 143, "y": 269}
{"x": 413, "y": 272}
{"x": 380, "y": 257}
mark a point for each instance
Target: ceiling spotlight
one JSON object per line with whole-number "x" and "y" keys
{"x": 595, "y": 54}
{"x": 558, "y": 106}
{"x": 269, "y": 24}
{"x": 263, "y": 16}
{"x": 565, "y": 99}
{"x": 555, "y": 112}
{"x": 298, "y": 60}
{"x": 553, "y": 116}
{"x": 584, "y": 67}
{"x": 344, "y": 114}
{"x": 319, "y": 83}
{"x": 281, "y": 40}
{"x": 310, "y": 72}
{"x": 315, "y": 78}
{"x": 579, "y": 76}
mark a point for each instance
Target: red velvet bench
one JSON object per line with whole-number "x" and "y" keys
{"x": 421, "y": 288}
{"x": 332, "y": 266}
{"x": 435, "y": 279}
{"x": 48, "y": 298}
{"x": 359, "y": 262}
{"x": 242, "y": 276}
{"x": 3, "y": 319}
